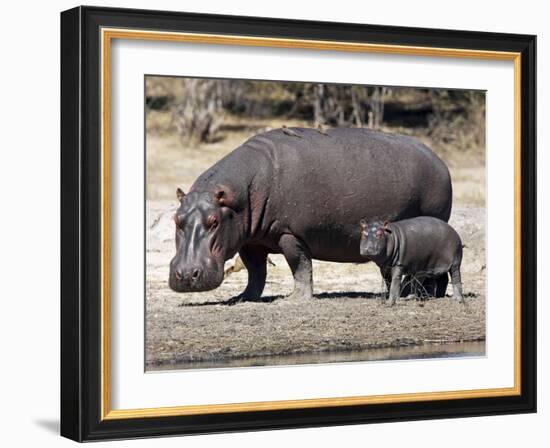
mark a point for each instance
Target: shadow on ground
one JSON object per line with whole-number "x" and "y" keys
{"x": 272, "y": 298}
{"x": 321, "y": 296}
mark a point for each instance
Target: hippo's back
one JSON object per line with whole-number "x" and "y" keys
{"x": 357, "y": 164}
{"x": 427, "y": 244}
{"x": 320, "y": 185}
{"x": 323, "y": 185}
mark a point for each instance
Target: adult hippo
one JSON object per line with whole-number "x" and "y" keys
{"x": 302, "y": 193}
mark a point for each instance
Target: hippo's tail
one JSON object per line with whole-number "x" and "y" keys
{"x": 447, "y": 194}
{"x": 437, "y": 197}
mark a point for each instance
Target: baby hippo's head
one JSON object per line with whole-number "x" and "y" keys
{"x": 374, "y": 238}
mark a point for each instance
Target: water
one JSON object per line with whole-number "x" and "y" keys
{"x": 426, "y": 351}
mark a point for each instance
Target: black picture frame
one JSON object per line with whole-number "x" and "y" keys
{"x": 81, "y": 224}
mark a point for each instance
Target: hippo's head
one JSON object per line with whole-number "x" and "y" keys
{"x": 207, "y": 234}
{"x": 374, "y": 238}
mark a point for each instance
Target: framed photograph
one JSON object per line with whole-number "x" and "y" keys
{"x": 277, "y": 224}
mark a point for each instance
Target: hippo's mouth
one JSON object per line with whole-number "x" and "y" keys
{"x": 193, "y": 282}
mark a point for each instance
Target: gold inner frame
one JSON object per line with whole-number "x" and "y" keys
{"x": 107, "y": 35}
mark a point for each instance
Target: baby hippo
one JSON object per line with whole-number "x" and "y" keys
{"x": 423, "y": 246}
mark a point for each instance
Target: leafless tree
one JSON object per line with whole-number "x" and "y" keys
{"x": 199, "y": 115}
{"x": 376, "y": 102}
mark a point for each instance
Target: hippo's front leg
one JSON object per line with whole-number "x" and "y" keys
{"x": 255, "y": 260}
{"x": 299, "y": 259}
{"x": 395, "y": 287}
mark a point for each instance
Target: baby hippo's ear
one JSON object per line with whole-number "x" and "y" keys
{"x": 180, "y": 194}
{"x": 386, "y": 228}
{"x": 363, "y": 224}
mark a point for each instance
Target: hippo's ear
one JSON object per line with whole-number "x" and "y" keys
{"x": 363, "y": 224}
{"x": 226, "y": 197}
{"x": 180, "y": 194}
{"x": 386, "y": 228}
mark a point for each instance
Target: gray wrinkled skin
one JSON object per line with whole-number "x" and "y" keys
{"x": 302, "y": 195}
{"x": 422, "y": 246}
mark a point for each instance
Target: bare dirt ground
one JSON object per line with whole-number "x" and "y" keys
{"x": 346, "y": 314}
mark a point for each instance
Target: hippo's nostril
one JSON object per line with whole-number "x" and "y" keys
{"x": 195, "y": 274}
{"x": 178, "y": 275}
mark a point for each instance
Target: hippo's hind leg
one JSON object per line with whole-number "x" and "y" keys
{"x": 457, "y": 283}
{"x": 299, "y": 259}
{"x": 254, "y": 259}
{"x": 440, "y": 283}
{"x": 435, "y": 286}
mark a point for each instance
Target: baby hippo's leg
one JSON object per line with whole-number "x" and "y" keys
{"x": 386, "y": 275}
{"x": 457, "y": 283}
{"x": 395, "y": 288}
